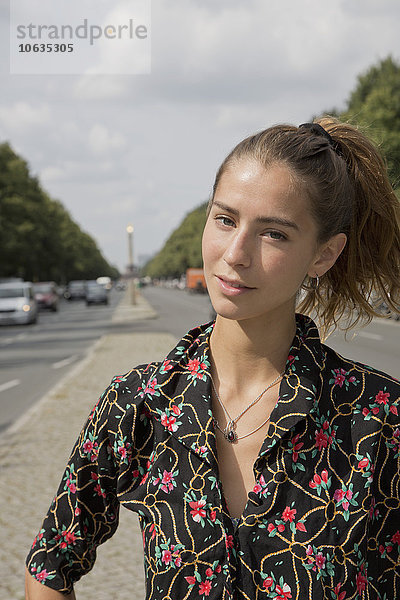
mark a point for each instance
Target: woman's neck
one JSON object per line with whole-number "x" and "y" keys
{"x": 247, "y": 355}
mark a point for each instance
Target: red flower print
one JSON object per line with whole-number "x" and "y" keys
{"x": 393, "y": 409}
{"x": 99, "y": 491}
{"x": 296, "y": 447}
{"x": 176, "y": 410}
{"x": 169, "y": 422}
{"x": 42, "y": 575}
{"x": 257, "y": 488}
{"x": 338, "y": 495}
{"x": 320, "y": 560}
{"x": 229, "y": 541}
{"x": 382, "y": 397}
{"x": 122, "y": 451}
{"x": 191, "y": 580}
{"x": 315, "y": 481}
{"x": 197, "y": 511}
{"x": 339, "y": 595}
{"x": 289, "y": 514}
{"x": 167, "y": 365}
{"x": 218, "y": 569}
{"x": 365, "y": 411}
{"x": 340, "y": 377}
{"x": 271, "y": 527}
{"x": 205, "y": 588}
{"x": 209, "y": 572}
{"x": 213, "y": 515}
{"x": 321, "y": 439}
{"x": 324, "y": 476}
{"x": 69, "y": 537}
{"x": 361, "y": 582}
{"x": 166, "y": 557}
{"x": 88, "y": 446}
{"x": 167, "y": 476}
{"x": 375, "y": 410}
{"x": 268, "y": 581}
{"x": 345, "y": 505}
{"x": 396, "y": 537}
{"x": 364, "y": 462}
{"x": 281, "y": 527}
{"x": 300, "y": 526}
{"x": 283, "y": 593}
{"x": 77, "y": 511}
{"x": 193, "y": 364}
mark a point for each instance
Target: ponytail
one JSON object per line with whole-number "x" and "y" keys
{"x": 347, "y": 184}
{"x": 367, "y": 273}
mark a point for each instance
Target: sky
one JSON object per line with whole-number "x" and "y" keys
{"x": 143, "y": 149}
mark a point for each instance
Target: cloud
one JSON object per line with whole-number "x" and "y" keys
{"x": 101, "y": 140}
{"x": 145, "y": 148}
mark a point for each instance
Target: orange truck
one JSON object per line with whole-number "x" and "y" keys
{"x": 195, "y": 281}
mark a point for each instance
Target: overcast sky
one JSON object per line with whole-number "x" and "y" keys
{"x": 144, "y": 149}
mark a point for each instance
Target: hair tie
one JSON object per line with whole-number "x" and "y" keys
{"x": 318, "y": 130}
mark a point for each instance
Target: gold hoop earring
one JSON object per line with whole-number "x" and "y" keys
{"x": 316, "y": 282}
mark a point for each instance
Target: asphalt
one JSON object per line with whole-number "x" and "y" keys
{"x": 35, "y": 450}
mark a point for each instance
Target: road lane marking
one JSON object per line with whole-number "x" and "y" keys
{"x": 371, "y": 336}
{"x": 9, "y": 384}
{"x": 65, "y": 362}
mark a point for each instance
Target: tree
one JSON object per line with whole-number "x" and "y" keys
{"x": 38, "y": 239}
{"x": 182, "y": 249}
{"x": 374, "y": 105}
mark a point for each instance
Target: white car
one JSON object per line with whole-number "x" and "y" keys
{"x": 17, "y": 303}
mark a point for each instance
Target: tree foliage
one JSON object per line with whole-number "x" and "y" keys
{"x": 39, "y": 241}
{"x": 374, "y": 105}
{"x": 182, "y": 249}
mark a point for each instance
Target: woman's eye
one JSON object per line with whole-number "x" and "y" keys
{"x": 275, "y": 235}
{"x": 225, "y": 221}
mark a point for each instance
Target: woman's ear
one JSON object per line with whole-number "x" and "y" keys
{"x": 327, "y": 255}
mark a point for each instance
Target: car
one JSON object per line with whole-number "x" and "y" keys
{"x": 76, "y": 290}
{"x": 46, "y": 295}
{"x": 17, "y": 303}
{"x": 96, "y": 293}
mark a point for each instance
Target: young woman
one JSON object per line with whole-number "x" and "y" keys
{"x": 261, "y": 463}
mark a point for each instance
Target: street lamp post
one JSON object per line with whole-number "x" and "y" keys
{"x": 132, "y": 289}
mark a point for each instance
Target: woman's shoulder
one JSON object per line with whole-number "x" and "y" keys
{"x": 343, "y": 368}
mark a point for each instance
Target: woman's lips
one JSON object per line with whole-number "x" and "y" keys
{"x": 232, "y": 288}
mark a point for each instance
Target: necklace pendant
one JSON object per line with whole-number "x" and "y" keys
{"x": 231, "y": 436}
{"x": 230, "y": 433}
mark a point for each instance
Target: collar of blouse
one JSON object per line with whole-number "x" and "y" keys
{"x": 179, "y": 390}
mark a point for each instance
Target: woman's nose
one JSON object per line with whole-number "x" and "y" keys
{"x": 238, "y": 252}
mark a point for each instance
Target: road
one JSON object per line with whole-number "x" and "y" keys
{"x": 33, "y": 358}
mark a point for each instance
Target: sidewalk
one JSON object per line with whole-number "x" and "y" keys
{"x": 34, "y": 452}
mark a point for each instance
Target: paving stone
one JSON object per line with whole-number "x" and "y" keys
{"x": 34, "y": 451}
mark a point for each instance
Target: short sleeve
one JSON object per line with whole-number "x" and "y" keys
{"x": 84, "y": 512}
{"x": 384, "y": 509}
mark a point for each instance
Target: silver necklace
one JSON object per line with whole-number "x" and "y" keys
{"x": 229, "y": 431}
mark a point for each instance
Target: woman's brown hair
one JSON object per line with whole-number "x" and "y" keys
{"x": 346, "y": 180}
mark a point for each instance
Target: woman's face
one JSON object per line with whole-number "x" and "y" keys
{"x": 259, "y": 242}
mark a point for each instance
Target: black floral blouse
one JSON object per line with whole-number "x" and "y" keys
{"x": 323, "y": 518}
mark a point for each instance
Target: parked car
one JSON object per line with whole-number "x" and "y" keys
{"x": 96, "y": 293}
{"x": 76, "y": 290}
{"x": 46, "y": 295}
{"x": 17, "y": 303}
